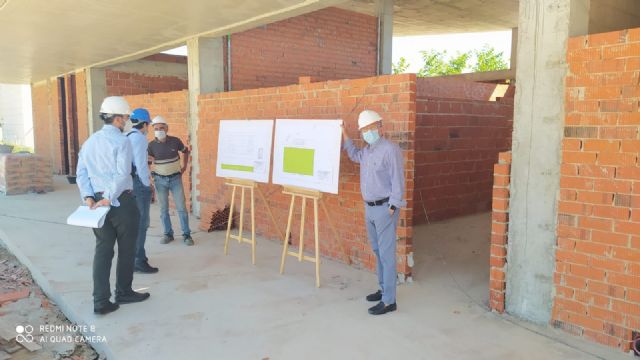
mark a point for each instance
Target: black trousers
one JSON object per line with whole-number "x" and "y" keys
{"x": 121, "y": 226}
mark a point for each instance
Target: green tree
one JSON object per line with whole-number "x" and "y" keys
{"x": 436, "y": 63}
{"x": 489, "y": 59}
{"x": 401, "y": 66}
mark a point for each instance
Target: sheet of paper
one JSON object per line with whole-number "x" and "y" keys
{"x": 85, "y": 217}
{"x": 244, "y": 149}
{"x": 307, "y": 154}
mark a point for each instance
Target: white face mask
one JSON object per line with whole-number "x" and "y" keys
{"x": 160, "y": 134}
{"x": 127, "y": 126}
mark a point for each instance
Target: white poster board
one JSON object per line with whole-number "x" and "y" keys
{"x": 307, "y": 154}
{"x": 244, "y": 149}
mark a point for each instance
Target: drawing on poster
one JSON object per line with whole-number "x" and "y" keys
{"x": 244, "y": 149}
{"x": 307, "y": 154}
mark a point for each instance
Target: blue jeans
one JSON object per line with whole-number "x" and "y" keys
{"x": 143, "y": 201}
{"x": 172, "y": 183}
{"x": 381, "y": 228}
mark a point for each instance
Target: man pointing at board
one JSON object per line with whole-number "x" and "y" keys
{"x": 382, "y": 187}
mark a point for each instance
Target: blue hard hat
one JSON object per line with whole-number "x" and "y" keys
{"x": 140, "y": 115}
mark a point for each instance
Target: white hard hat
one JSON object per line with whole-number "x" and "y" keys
{"x": 115, "y": 105}
{"x": 368, "y": 117}
{"x": 158, "y": 120}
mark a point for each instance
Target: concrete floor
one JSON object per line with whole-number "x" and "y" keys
{"x": 211, "y": 306}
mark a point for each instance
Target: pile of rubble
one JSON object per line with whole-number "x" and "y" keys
{"x": 27, "y": 316}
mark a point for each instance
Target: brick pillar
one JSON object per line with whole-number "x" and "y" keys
{"x": 499, "y": 231}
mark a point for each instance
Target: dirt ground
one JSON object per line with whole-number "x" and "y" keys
{"x": 22, "y": 303}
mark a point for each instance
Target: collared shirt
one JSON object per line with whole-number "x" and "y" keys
{"x": 381, "y": 170}
{"x": 139, "y": 146}
{"x": 104, "y": 165}
{"x": 166, "y": 155}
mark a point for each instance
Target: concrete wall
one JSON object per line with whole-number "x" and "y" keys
{"x": 607, "y": 15}
{"x": 392, "y": 96}
{"x": 328, "y": 44}
{"x": 16, "y": 119}
{"x": 457, "y": 143}
{"x": 597, "y": 275}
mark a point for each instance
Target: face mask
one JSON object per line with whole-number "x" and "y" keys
{"x": 371, "y": 136}
{"x": 160, "y": 134}
{"x": 127, "y": 126}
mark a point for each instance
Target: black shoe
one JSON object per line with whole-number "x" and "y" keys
{"x": 376, "y": 296}
{"x": 380, "y": 308}
{"x": 103, "y": 310}
{"x": 132, "y": 297}
{"x": 145, "y": 268}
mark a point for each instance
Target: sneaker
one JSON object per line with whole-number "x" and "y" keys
{"x": 188, "y": 240}
{"x": 381, "y": 308}
{"x": 376, "y": 296}
{"x": 131, "y": 297}
{"x": 105, "y": 309}
{"x": 166, "y": 239}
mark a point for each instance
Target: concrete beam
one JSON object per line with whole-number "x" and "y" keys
{"x": 385, "y": 36}
{"x": 485, "y": 76}
{"x": 544, "y": 28}
{"x": 514, "y": 49}
{"x": 205, "y": 63}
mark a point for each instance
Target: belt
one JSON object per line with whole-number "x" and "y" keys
{"x": 377, "y": 202}
{"x": 156, "y": 174}
{"x": 100, "y": 193}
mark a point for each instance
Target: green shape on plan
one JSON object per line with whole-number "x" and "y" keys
{"x": 237, "y": 167}
{"x": 298, "y": 161}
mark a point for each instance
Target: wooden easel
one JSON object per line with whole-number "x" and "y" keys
{"x": 304, "y": 194}
{"x": 243, "y": 185}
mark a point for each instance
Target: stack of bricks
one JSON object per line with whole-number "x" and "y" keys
{"x": 23, "y": 173}
{"x": 457, "y": 144}
{"x": 392, "y": 96}
{"x": 597, "y": 277}
{"x": 499, "y": 232}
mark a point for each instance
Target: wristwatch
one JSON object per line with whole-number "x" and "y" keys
{"x": 392, "y": 207}
{"x": 89, "y": 197}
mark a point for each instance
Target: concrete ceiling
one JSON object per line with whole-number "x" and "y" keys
{"x": 44, "y": 38}
{"x": 426, "y": 17}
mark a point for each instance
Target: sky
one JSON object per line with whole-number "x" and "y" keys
{"x": 409, "y": 47}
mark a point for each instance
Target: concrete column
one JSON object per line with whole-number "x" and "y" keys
{"x": 543, "y": 31}
{"x": 514, "y": 48}
{"x": 206, "y": 75}
{"x": 385, "y": 35}
{"x": 96, "y": 92}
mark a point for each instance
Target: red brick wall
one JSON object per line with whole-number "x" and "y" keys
{"x": 327, "y": 44}
{"x": 392, "y": 96}
{"x": 124, "y": 83}
{"x": 499, "y": 232}
{"x": 174, "y": 107}
{"x": 597, "y": 277}
{"x": 46, "y": 123}
{"x": 457, "y": 144}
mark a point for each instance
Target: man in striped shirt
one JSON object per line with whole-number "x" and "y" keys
{"x": 167, "y": 177}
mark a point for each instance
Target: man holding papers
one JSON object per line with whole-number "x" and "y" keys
{"x": 104, "y": 179}
{"x": 382, "y": 187}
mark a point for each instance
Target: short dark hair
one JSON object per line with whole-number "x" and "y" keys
{"x": 107, "y": 118}
{"x": 139, "y": 125}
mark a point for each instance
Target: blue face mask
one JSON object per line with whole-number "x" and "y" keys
{"x": 371, "y": 136}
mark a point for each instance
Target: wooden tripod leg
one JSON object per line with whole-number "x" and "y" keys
{"x": 315, "y": 227}
{"x": 335, "y": 233}
{"x": 226, "y": 239}
{"x": 301, "y": 243}
{"x": 241, "y": 216}
{"x": 285, "y": 246}
{"x": 253, "y": 229}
